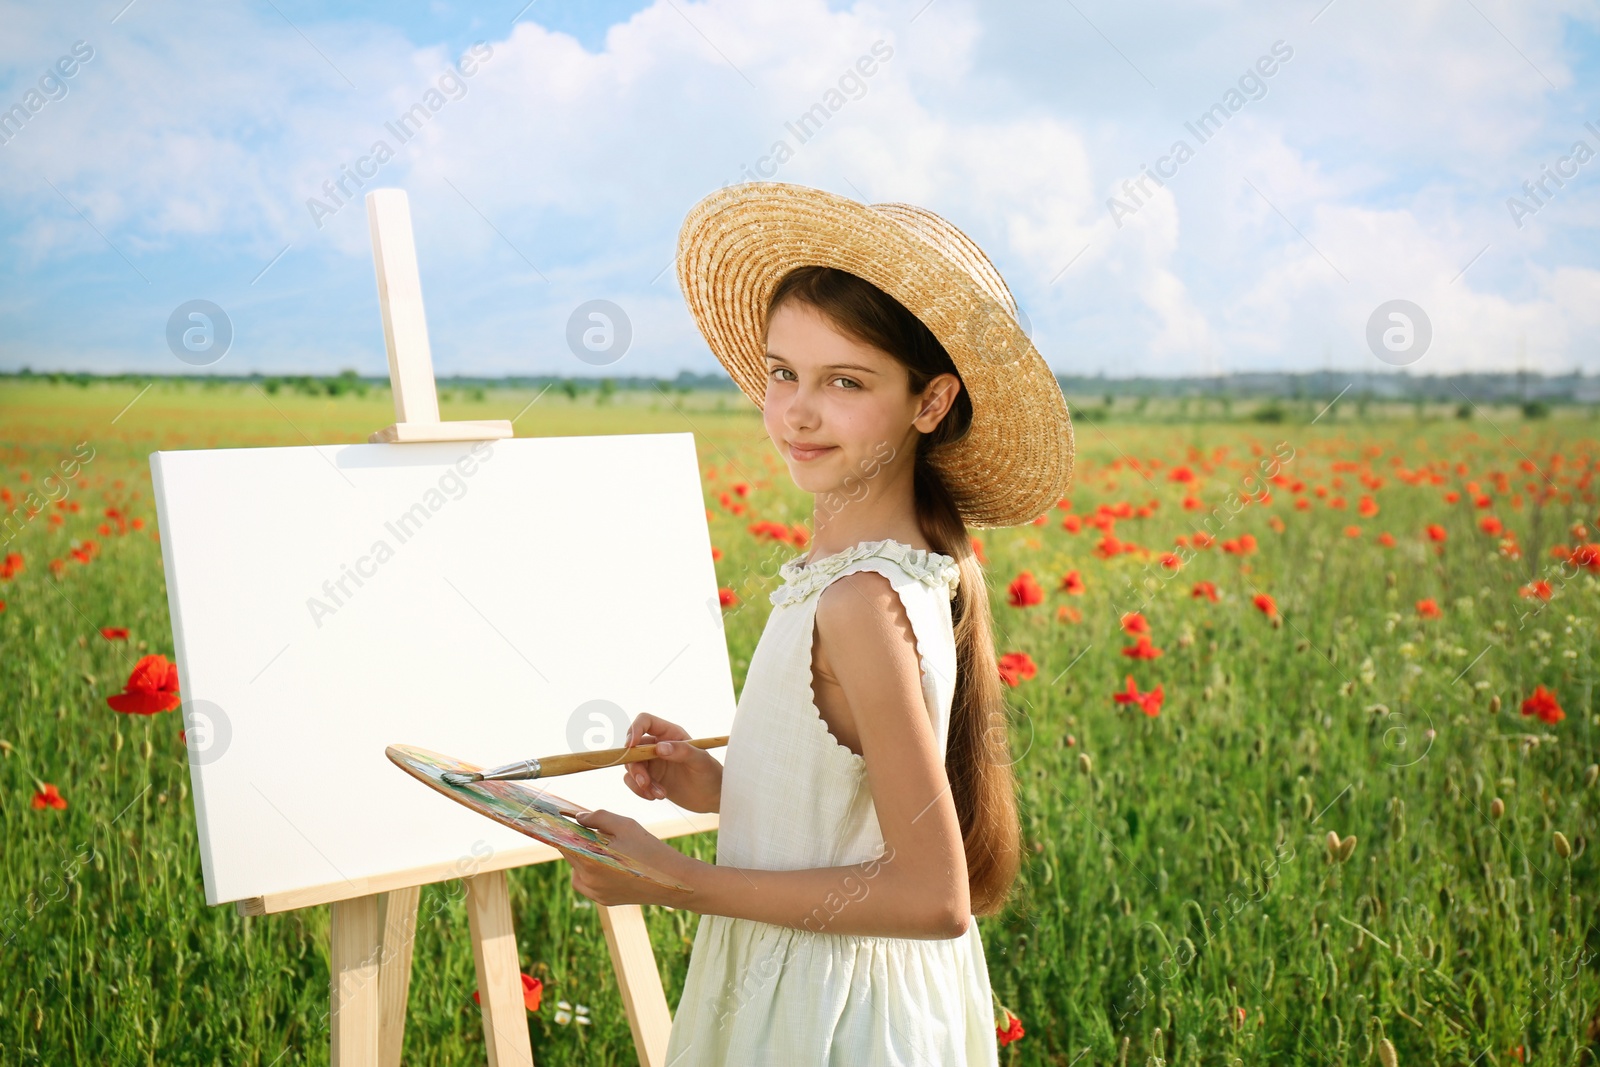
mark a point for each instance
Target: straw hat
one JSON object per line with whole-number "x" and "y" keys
{"x": 1015, "y": 460}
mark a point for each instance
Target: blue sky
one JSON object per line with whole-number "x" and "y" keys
{"x": 1377, "y": 161}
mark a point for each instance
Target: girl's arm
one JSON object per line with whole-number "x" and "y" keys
{"x": 918, "y": 888}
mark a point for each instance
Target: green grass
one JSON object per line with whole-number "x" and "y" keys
{"x": 1182, "y": 876}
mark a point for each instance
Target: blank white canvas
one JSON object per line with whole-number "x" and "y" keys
{"x": 557, "y": 572}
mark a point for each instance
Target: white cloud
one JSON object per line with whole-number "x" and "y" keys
{"x": 195, "y": 137}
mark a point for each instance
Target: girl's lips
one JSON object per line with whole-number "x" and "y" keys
{"x": 809, "y": 453}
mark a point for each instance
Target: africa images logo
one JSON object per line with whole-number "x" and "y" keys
{"x": 451, "y": 86}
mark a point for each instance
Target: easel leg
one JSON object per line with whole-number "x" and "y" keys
{"x": 397, "y": 915}
{"x": 494, "y": 952}
{"x": 356, "y": 940}
{"x": 640, "y": 980}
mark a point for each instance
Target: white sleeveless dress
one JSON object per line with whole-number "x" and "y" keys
{"x": 793, "y": 797}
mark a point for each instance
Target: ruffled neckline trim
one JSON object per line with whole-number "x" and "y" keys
{"x": 801, "y": 579}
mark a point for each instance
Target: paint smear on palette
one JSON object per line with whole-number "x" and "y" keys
{"x": 523, "y": 807}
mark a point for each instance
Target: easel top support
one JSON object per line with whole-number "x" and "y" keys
{"x": 405, "y": 332}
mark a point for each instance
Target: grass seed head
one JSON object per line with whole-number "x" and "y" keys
{"x": 1347, "y": 848}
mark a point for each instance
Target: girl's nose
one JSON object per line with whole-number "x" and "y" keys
{"x": 801, "y": 413}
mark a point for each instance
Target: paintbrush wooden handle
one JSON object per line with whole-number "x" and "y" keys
{"x": 571, "y": 763}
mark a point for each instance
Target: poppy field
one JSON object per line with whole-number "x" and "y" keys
{"x": 1303, "y": 721}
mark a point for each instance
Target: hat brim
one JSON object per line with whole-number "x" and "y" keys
{"x": 1015, "y": 460}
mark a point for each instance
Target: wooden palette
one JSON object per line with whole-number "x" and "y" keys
{"x": 524, "y": 807}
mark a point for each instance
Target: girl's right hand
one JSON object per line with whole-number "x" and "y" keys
{"x": 689, "y": 777}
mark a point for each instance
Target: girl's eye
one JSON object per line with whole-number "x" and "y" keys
{"x": 853, "y": 384}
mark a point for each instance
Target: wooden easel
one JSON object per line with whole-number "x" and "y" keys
{"x": 373, "y": 922}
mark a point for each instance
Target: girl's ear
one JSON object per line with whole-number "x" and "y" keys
{"x": 942, "y": 396}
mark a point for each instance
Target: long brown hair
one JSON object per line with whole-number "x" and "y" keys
{"x": 978, "y": 752}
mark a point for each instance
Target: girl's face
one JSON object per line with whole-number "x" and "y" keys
{"x": 837, "y": 408}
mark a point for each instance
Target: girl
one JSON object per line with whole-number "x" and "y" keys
{"x": 866, "y": 797}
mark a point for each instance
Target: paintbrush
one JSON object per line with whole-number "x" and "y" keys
{"x": 570, "y": 763}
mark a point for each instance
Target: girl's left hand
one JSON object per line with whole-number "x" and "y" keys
{"x": 610, "y": 887}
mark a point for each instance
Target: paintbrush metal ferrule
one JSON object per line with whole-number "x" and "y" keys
{"x": 520, "y": 770}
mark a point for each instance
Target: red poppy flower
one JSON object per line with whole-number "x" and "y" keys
{"x": 726, "y": 597}
{"x": 1143, "y": 648}
{"x": 1180, "y": 474}
{"x": 1265, "y": 604}
{"x": 1012, "y": 1030}
{"x": 1491, "y": 526}
{"x": 532, "y": 993}
{"x": 1135, "y": 623}
{"x": 1435, "y": 532}
{"x": 1539, "y": 588}
{"x": 12, "y": 566}
{"x": 1587, "y": 557}
{"x": 1429, "y": 608}
{"x": 1205, "y": 589}
{"x": 151, "y": 688}
{"x": 1072, "y": 583}
{"x": 1015, "y": 667}
{"x": 1543, "y": 703}
{"x": 48, "y": 798}
{"x": 777, "y": 531}
{"x": 114, "y": 633}
{"x": 1149, "y": 703}
{"x": 1024, "y": 591}
{"x": 1386, "y": 539}
{"x": 1368, "y": 507}
{"x": 1068, "y": 614}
